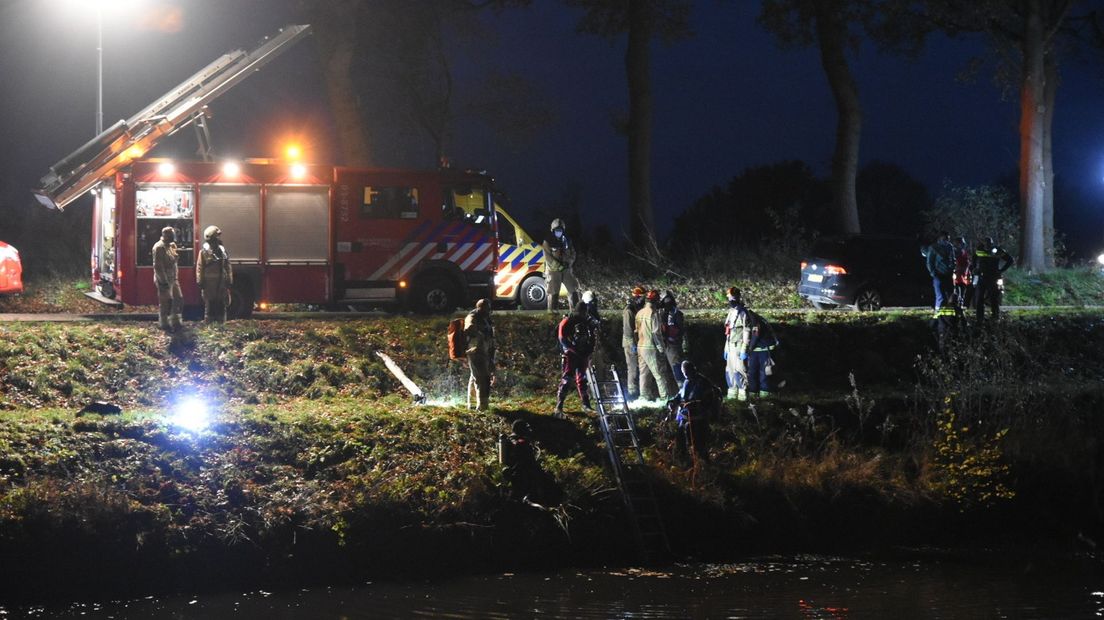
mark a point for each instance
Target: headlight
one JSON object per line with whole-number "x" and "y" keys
{"x": 1100, "y": 259}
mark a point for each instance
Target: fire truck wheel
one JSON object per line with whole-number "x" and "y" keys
{"x": 435, "y": 294}
{"x": 533, "y": 293}
{"x": 241, "y": 301}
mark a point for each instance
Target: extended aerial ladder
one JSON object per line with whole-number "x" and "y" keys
{"x": 627, "y": 462}
{"x": 130, "y": 139}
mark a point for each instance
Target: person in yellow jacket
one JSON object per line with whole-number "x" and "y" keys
{"x": 559, "y": 257}
{"x": 650, "y": 347}
{"x": 214, "y": 275}
{"x": 479, "y": 334}
{"x": 165, "y": 268}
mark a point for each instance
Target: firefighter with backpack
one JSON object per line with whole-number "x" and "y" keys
{"x": 479, "y": 348}
{"x": 214, "y": 275}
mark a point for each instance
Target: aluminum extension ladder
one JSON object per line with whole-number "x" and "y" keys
{"x": 627, "y": 460}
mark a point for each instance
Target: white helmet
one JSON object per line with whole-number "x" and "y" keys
{"x": 211, "y": 231}
{"x": 558, "y": 223}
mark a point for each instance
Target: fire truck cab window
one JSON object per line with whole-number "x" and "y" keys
{"x": 158, "y": 207}
{"x": 389, "y": 203}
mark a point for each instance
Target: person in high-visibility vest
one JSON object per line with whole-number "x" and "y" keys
{"x": 990, "y": 262}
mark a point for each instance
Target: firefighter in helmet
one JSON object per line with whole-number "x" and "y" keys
{"x": 169, "y": 297}
{"x": 628, "y": 341}
{"x": 214, "y": 276}
{"x": 674, "y": 334}
{"x": 559, "y": 257}
{"x": 651, "y": 347}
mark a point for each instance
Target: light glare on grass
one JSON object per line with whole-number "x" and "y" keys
{"x": 191, "y": 414}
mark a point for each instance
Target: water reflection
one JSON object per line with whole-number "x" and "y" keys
{"x": 791, "y": 587}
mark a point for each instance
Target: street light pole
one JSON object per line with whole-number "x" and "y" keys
{"x": 99, "y": 68}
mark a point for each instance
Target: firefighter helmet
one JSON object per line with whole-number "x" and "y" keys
{"x": 558, "y": 223}
{"x": 653, "y": 295}
{"x": 211, "y": 232}
{"x": 638, "y": 291}
{"x": 733, "y": 294}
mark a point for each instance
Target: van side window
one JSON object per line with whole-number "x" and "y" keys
{"x": 389, "y": 203}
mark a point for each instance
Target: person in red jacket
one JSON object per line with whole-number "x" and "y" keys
{"x": 576, "y": 336}
{"x": 963, "y": 279}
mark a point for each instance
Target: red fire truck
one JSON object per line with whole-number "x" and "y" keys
{"x": 296, "y": 233}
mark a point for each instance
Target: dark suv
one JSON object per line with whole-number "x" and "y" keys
{"x": 866, "y": 272}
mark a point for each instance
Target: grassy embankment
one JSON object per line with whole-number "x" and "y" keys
{"x": 319, "y": 467}
{"x": 701, "y": 286}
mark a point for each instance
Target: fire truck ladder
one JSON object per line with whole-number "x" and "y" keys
{"x": 627, "y": 460}
{"x": 130, "y": 139}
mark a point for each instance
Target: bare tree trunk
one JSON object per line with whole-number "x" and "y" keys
{"x": 1050, "y": 93}
{"x": 832, "y": 39}
{"x": 335, "y": 33}
{"x": 1032, "y": 133}
{"x": 638, "y": 68}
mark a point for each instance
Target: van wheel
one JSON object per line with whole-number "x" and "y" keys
{"x": 533, "y": 294}
{"x": 868, "y": 300}
{"x": 241, "y": 301}
{"x": 435, "y": 295}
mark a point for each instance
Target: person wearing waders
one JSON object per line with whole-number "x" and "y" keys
{"x": 735, "y": 371}
{"x": 479, "y": 334}
{"x": 650, "y": 347}
{"x": 214, "y": 275}
{"x": 165, "y": 269}
{"x": 576, "y": 336}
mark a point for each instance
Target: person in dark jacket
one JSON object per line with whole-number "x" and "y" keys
{"x": 963, "y": 279}
{"x": 674, "y": 333}
{"x": 990, "y": 262}
{"x": 528, "y": 482}
{"x": 577, "y": 337}
{"x": 941, "y": 264}
{"x": 694, "y": 406}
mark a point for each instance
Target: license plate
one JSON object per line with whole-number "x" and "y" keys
{"x": 816, "y": 277}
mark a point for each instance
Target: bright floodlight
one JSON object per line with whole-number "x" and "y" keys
{"x": 166, "y": 169}
{"x": 293, "y": 152}
{"x": 231, "y": 169}
{"x": 191, "y": 414}
{"x": 298, "y": 171}
{"x": 1100, "y": 259}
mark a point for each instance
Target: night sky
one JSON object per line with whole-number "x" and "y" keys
{"x": 726, "y": 99}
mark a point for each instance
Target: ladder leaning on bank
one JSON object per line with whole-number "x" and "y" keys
{"x": 627, "y": 460}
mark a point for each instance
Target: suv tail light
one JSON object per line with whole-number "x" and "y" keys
{"x": 834, "y": 270}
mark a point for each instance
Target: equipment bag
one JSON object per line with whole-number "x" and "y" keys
{"x": 457, "y": 342}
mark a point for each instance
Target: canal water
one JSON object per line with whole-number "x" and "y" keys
{"x": 777, "y": 587}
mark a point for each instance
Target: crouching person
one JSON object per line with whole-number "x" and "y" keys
{"x": 696, "y": 404}
{"x": 528, "y": 482}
